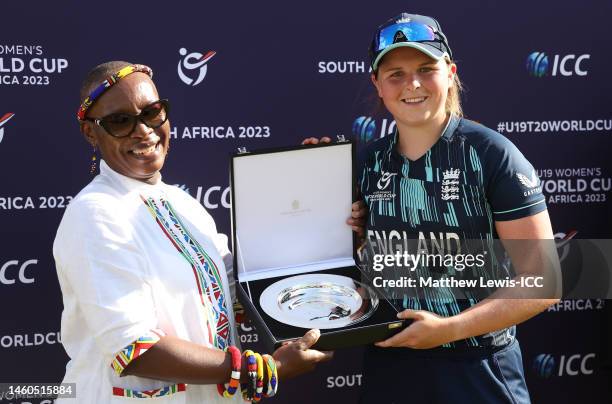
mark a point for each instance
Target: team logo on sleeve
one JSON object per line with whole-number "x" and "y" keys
{"x": 532, "y": 184}
{"x": 450, "y": 184}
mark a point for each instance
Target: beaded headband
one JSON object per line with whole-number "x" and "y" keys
{"x": 108, "y": 83}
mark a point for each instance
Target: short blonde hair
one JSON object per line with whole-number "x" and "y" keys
{"x": 453, "y": 100}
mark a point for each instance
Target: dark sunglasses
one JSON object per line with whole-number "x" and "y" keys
{"x": 121, "y": 124}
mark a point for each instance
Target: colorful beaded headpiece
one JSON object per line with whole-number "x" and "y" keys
{"x": 108, "y": 83}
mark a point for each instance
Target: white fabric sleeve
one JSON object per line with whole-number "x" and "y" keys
{"x": 98, "y": 255}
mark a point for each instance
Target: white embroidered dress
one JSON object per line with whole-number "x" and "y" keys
{"x": 137, "y": 261}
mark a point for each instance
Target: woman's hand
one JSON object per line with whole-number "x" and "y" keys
{"x": 295, "y": 358}
{"x": 314, "y": 140}
{"x": 357, "y": 221}
{"x": 428, "y": 330}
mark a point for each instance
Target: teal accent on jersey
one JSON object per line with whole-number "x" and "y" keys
{"x": 522, "y": 207}
{"x": 428, "y": 169}
{"x": 450, "y": 218}
{"x": 457, "y": 190}
{"x": 413, "y": 201}
{"x": 377, "y": 164}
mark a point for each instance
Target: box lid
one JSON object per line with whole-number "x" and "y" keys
{"x": 289, "y": 210}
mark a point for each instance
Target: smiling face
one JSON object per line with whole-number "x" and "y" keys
{"x": 141, "y": 154}
{"x": 414, "y": 87}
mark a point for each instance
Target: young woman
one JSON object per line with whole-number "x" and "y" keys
{"x": 441, "y": 178}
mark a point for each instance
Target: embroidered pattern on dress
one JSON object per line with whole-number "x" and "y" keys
{"x": 135, "y": 349}
{"x": 164, "y": 391}
{"x": 206, "y": 273}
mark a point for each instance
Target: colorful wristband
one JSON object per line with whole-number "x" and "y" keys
{"x": 239, "y": 315}
{"x": 272, "y": 376}
{"x": 248, "y": 389}
{"x": 260, "y": 375}
{"x": 234, "y": 381}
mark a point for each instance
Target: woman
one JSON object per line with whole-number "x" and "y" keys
{"x": 145, "y": 276}
{"x": 442, "y": 179}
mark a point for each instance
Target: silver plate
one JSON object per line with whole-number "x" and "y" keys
{"x": 318, "y": 301}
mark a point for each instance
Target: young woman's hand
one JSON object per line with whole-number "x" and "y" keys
{"x": 314, "y": 140}
{"x": 296, "y": 357}
{"x": 357, "y": 221}
{"x": 428, "y": 330}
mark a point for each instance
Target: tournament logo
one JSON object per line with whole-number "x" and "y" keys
{"x": 7, "y": 117}
{"x": 28, "y": 65}
{"x": 450, "y": 184}
{"x": 364, "y": 129}
{"x": 385, "y": 180}
{"x": 575, "y": 185}
{"x": 382, "y": 194}
{"x": 194, "y": 61}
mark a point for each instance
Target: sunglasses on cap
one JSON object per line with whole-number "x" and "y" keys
{"x": 120, "y": 124}
{"x": 411, "y": 31}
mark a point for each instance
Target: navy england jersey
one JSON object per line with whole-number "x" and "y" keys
{"x": 472, "y": 177}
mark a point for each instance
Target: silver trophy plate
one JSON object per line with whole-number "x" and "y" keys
{"x": 318, "y": 301}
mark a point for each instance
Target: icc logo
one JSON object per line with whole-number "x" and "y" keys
{"x": 7, "y": 117}
{"x": 545, "y": 365}
{"x": 211, "y": 198}
{"x": 194, "y": 61}
{"x": 538, "y": 65}
{"x": 19, "y": 274}
{"x": 364, "y": 128}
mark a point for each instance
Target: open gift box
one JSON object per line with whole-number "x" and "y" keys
{"x": 295, "y": 261}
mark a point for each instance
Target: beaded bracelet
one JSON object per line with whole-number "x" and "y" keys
{"x": 239, "y": 315}
{"x": 272, "y": 376}
{"x": 248, "y": 389}
{"x": 234, "y": 381}
{"x": 260, "y": 375}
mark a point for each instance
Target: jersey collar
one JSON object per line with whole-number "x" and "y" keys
{"x": 447, "y": 135}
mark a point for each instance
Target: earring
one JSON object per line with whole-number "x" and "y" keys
{"x": 94, "y": 162}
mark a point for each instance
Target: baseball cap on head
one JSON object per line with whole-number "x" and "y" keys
{"x": 412, "y": 30}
